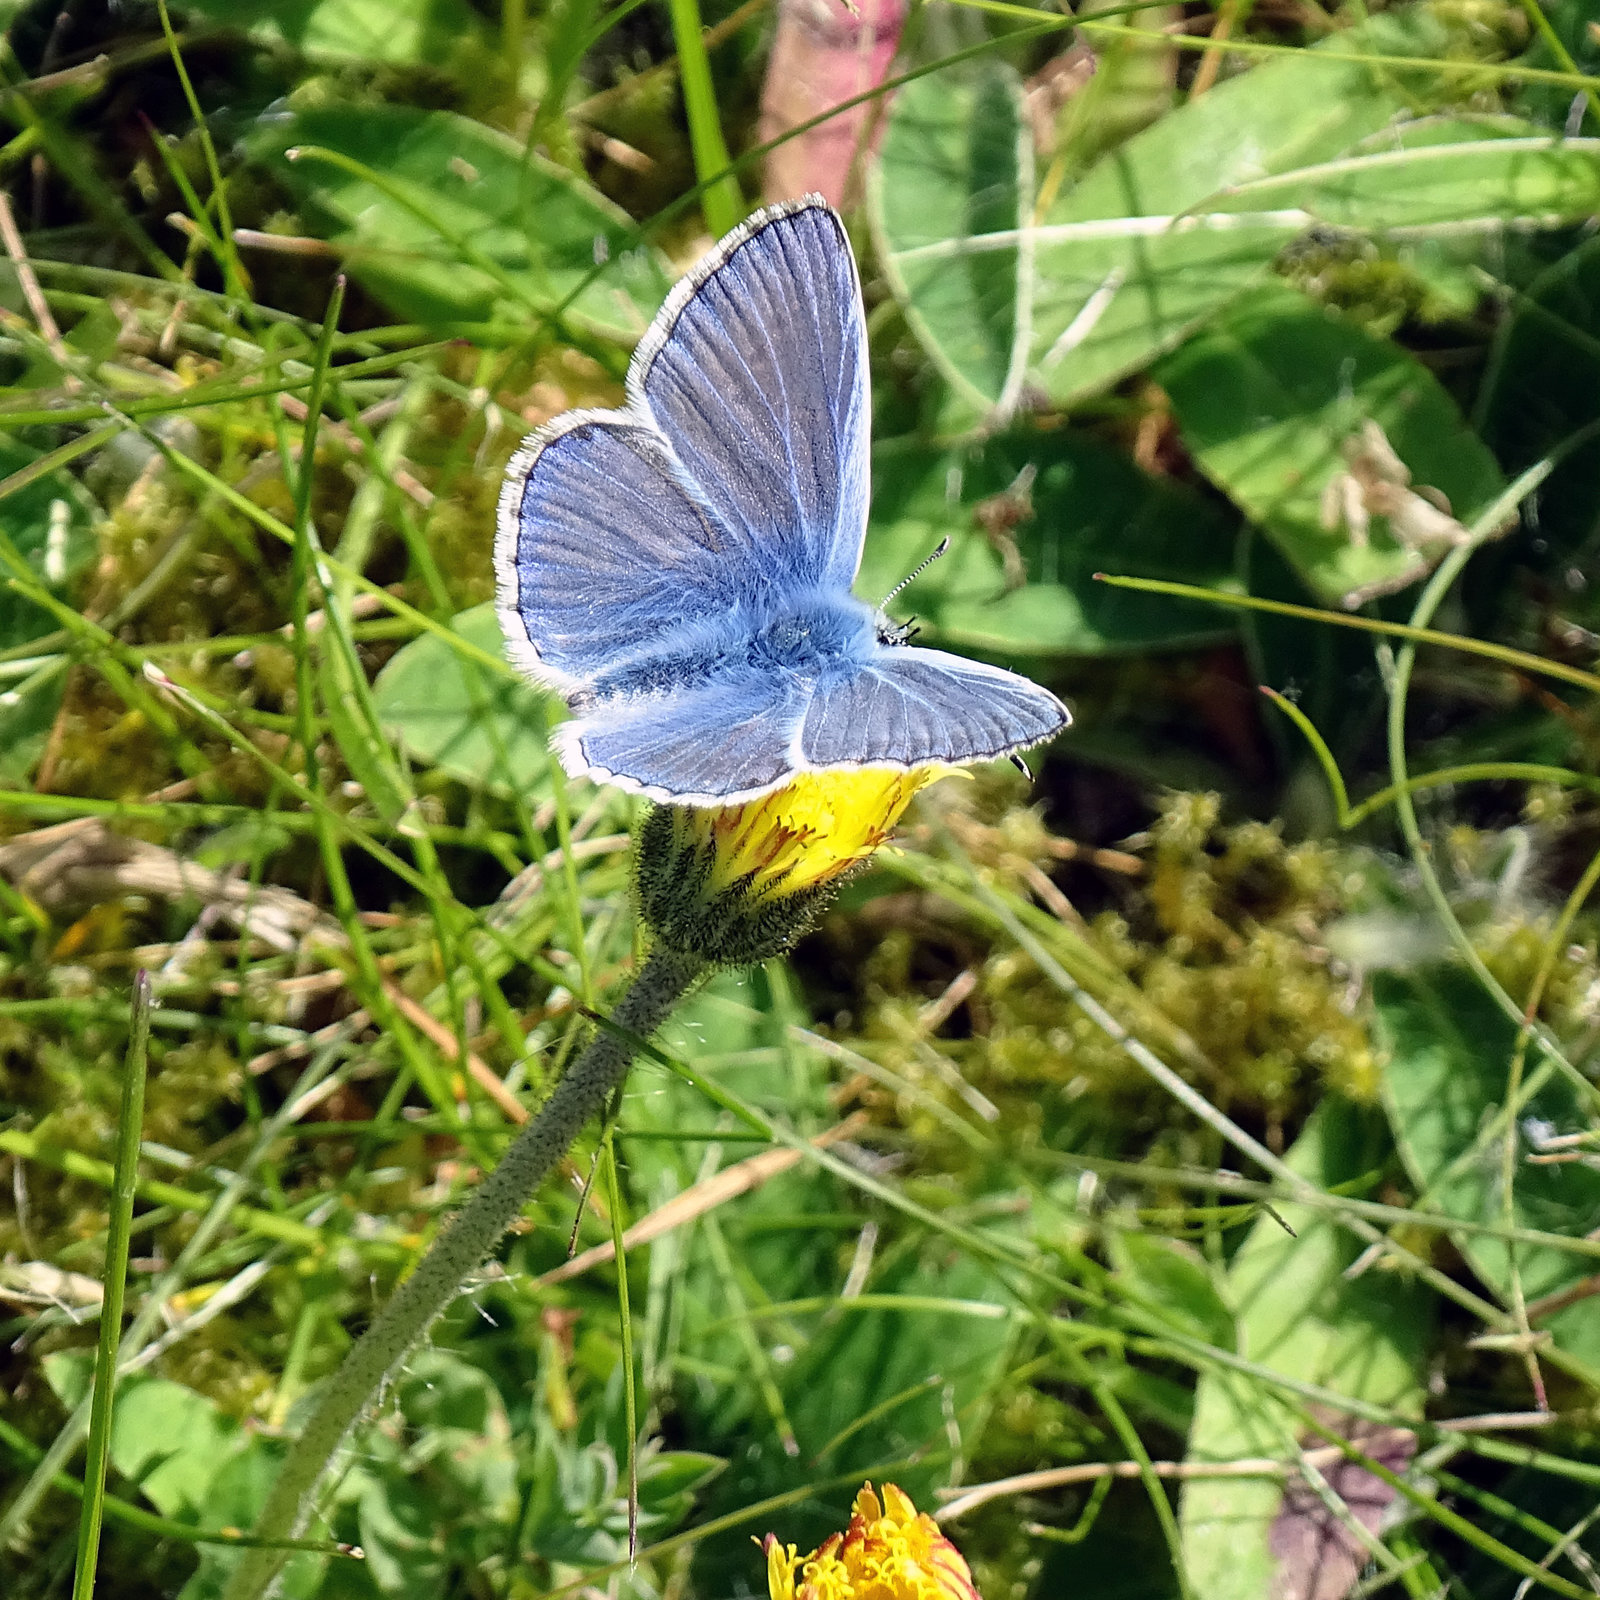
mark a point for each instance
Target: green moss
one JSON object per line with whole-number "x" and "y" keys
{"x": 1219, "y": 935}
{"x": 187, "y": 1086}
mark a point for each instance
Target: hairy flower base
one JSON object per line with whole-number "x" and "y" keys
{"x": 737, "y": 884}
{"x": 889, "y": 1552}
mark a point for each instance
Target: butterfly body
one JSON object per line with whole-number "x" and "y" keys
{"x": 808, "y": 638}
{"x": 680, "y": 569}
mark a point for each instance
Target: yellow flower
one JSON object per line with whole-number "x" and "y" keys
{"x": 807, "y": 832}
{"x": 889, "y": 1552}
{"x": 741, "y": 883}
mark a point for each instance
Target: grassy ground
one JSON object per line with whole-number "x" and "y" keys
{"x": 1207, "y": 1124}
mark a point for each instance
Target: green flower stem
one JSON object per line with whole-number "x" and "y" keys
{"x": 602, "y": 1067}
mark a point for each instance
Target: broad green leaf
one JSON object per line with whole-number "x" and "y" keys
{"x": 399, "y": 1522}
{"x": 167, "y": 1439}
{"x": 1087, "y": 509}
{"x": 170, "y": 1441}
{"x": 1300, "y": 1316}
{"x": 1116, "y": 279}
{"x": 50, "y": 525}
{"x": 669, "y": 1478}
{"x": 190, "y": 1460}
{"x": 1172, "y": 1279}
{"x": 1305, "y": 107}
{"x": 1184, "y": 216}
{"x": 957, "y": 163}
{"x": 1454, "y": 173}
{"x": 447, "y": 220}
{"x": 235, "y": 1493}
{"x": 1268, "y": 396}
{"x": 451, "y": 712}
{"x": 1541, "y": 393}
{"x": 1450, "y": 1050}
{"x": 463, "y": 1433}
{"x": 357, "y": 30}
{"x": 1151, "y": 243}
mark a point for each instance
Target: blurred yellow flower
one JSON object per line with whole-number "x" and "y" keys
{"x": 741, "y": 883}
{"x": 890, "y": 1551}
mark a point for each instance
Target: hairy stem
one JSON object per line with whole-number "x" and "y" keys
{"x": 458, "y": 1251}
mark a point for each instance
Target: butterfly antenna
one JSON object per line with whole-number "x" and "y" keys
{"x": 944, "y": 544}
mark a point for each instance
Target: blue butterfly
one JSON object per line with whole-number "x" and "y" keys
{"x": 680, "y": 570}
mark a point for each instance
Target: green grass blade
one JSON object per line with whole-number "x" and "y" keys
{"x": 220, "y": 239}
{"x": 721, "y": 200}
{"x": 1517, "y": 660}
{"x": 1319, "y": 748}
{"x": 129, "y": 1122}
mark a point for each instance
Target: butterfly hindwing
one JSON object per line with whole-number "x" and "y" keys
{"x": 710, "y": 745}
{"x": 906, "y": 706}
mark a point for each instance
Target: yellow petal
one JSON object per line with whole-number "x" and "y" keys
{"x": 898, "y": 1503}
{"x": 781, "y": 1562}
{"x": 810, "y": 830}
{"x": 867, "y": 1506}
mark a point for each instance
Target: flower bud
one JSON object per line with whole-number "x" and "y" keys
{"x": 890, "y": 1551}
{"x": 739, "y": 884}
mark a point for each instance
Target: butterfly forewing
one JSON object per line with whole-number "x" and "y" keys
{"x": 602, "y": 552}
{"x": 756, "y": 372}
